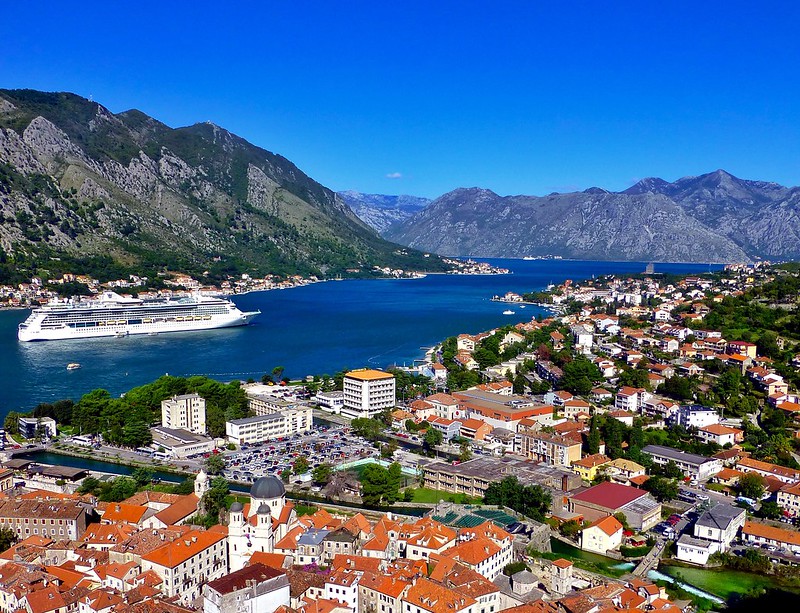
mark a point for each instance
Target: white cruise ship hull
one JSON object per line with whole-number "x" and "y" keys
{"x": 66, "y": 333}
{"x": 118, "y": 317}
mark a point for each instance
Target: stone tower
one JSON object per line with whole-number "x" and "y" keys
{"x": 561, "y": 577}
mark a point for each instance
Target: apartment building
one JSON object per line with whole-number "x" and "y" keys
{"x": 188, "y": 562}
{"x": 185, "y": 412}
{"x": 548, "y": 448}
{"x": 367, "y": 392}
{"x": 53, "y": 518}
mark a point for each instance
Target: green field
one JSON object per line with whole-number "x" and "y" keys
{"x": 723, "y": 583}
{"x": 423, "y": 494}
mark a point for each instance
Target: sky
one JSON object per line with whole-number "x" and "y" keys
{"x": 423, "y": 97}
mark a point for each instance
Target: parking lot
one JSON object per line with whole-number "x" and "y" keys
{"x": 323, "y": 445}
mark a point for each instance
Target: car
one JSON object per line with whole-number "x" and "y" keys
{"x": 702, "y": 497}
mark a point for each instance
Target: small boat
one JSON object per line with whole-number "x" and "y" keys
{"x": 152, "y": 334}
{"x": 508, "y": 312}
{"x": 121, "y": 334}
{"x": 522, "y": 306}
{"x": 73, "y": 366}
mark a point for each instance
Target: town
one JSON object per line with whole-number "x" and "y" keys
{"x": 550, "y": 465}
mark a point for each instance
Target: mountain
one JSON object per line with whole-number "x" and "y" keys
{"x": 82, "y": 185}
{"x": 381, "y": 212}
{"x": 715, "y": 217}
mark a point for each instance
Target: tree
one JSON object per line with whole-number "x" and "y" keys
{"x": 465, "y": 451}
{"x": 570, "y": 528}
{"x": 751, "y": 485}
{"x": 367, "y": 428}
{"x": 214, "y": 499}
{"x": 395, "y": 473}
{"x": 770, "y": 510}
{"x": 671, "y": 470}
{"x": 374, "y": 484}
{"x": 531, "y": 500}
{"x": 432, "y": 439}
{"x": 121, "y": 488}
{"x": 662, "y": 489}
{"x": 11, "y": 423}
{"x": 8, "y": 538}
{"x": 286, "y": 474}
{"x": 677, "y": 387}
{"x": 579, "y": 375}
{"x": 277, "y": 372}
{"x": 322, "y": 474}
{"x": 143, "y": 475}
{"x": 214, "y": 464}
{"x": 593, "y": 438}
{"x": 300, "y": 465}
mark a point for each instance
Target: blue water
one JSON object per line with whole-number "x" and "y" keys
{"x": 315, "y": 329}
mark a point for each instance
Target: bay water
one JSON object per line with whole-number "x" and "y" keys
{"x": 315, "y": 329}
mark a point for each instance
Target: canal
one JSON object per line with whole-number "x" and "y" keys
{"x": 590, "y": 561}
{"x": 56, "y": 459}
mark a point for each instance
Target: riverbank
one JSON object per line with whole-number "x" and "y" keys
{"x": 725, "y": 582}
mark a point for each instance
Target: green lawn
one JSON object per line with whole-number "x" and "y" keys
{"x": 424, "y": 494}
{"x": 304, "y": 509}
{"x": 723, "y": 583}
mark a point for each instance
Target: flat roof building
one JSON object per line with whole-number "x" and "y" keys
{"x": 367, "y": 392}
{"x": 691, "y": 464}
{"x": 641, "y": 510}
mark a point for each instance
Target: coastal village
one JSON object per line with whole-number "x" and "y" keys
{"x": 625, "y": 426}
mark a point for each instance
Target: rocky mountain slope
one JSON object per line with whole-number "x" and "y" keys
{"x": 715, "y": 217}
{"x": 381, "y": 212}
{"x": 77, "y": 181}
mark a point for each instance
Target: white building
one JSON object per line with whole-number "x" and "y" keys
{"x": 720, "y": 524}
{"x": 695, "y": 416}
{"x": 367, "y": 392}
{"x": 252, "y": 589}
{"x": 691, "y": 464}
{"x": 178, "y": 443}
{"x": 583, "y": 338}
{"x": 186, "y": 412}
{"x": 714, "y": 531}
{"x": 294, "y": 419}
{"x": 31, "y": 427}
{"x": 330, "y": 401}
{"x": 696, "y": 551}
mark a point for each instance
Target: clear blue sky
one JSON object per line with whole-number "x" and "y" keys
{"x": 423, "y": 97}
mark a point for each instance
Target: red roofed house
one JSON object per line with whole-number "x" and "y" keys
{"x": 603, "y": 535}
{"x": 721, "y": 435}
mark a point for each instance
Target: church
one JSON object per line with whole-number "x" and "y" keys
{"x": 257, "y": 526}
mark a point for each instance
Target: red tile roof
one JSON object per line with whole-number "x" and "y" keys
{"x": 609, "y": 495}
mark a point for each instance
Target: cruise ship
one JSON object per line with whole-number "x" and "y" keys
{"x": 115, "y": 315}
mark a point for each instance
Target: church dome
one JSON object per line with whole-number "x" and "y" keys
{"x": 267, "y": 487}
{"x": 237, "y": 507}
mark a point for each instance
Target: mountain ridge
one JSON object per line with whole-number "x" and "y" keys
{"x": 714, "y": 217}
{"x": 78, "y": 181}
{"x": 380, "y": 211}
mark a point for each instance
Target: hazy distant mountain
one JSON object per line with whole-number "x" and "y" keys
{"x": 381, "y": 212}
{"x": 714, "y": 217}
{"x": 78, "y": 181}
